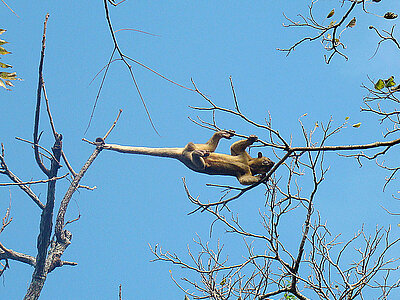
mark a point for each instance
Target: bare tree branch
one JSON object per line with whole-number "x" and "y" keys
{"x": 5, "y": 170}
{"x": 37, "y": 112}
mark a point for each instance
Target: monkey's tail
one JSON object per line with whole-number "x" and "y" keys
{"x": 162, "y": 152}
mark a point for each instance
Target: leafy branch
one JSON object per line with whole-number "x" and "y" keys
{"x": 6, "y": 77}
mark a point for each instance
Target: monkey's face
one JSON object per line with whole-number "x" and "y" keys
{"x": 261, "y": 164}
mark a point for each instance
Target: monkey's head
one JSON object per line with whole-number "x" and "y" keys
{"x": 261, "y": 164}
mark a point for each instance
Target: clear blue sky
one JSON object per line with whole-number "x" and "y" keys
{"x": 141, "y": 200}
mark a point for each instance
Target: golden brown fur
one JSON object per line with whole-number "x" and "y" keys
{"x": 202, "y": 158}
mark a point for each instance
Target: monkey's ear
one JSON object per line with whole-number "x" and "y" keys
{"x": 259, "y": 154}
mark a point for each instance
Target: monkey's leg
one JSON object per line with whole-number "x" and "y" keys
{"x": 239, "y": 147}
{"x": 190, "y": 147}
{"x": 197, "y": 159}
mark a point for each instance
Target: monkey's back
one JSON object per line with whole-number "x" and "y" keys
{"x": 223, "y": 164}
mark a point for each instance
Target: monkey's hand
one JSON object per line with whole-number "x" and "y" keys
{"x": 252, "y": 138}
{"x": 226, "y": 134}
{"x": 261, "y": 177}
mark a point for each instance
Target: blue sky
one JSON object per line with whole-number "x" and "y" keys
{"x": 141, "y": 200}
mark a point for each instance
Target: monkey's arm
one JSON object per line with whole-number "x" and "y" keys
{"x": 212, "y": 143}
{"x": 162, "y": 152}
{"x": 249, "y": 179}
{"x": 239, "y": 147}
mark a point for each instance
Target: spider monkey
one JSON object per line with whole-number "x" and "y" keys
{"x": 202, "y": 158}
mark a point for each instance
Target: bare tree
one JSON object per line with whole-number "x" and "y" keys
{"x": 54, "y": 239}
{"x": 49, "y": 249}
{"x": 323, "y": 264}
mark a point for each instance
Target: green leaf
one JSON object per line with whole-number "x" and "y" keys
{"x": 223, "y": 281}
{"x": 347, "y": 118}
{"x": 2, "y": 65}
{"x": 8, "y": 83}
{"x": 289, "y": 296}
{"x": 396, "y": 89}
{"x": 352, "y": 23}
{"x": 2, "y": 31}
{"x": 357, "y": 125}
{"x": 336, "y": 41}
{"x": 4, "y": 51}
{"x": 390, "y": 15}
{"x": 331, "y": 13}
{"x": 390, "y": 82}
{"x": 2, "y": 42}
{"x": 2, "y": 84}
{"x": 9, "y": 76}
{"x": 379, "y": 84}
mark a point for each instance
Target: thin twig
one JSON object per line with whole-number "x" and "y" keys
{"x": 116, "y": 47}
{"x": 60, "y": 223}
{"x": 113, "y": 125}
{"x": 14, "y": 178}
{"x": 34, "y": 181}
{"x": 68, "y": 164}
{"x": 9, "y": 8}
{"x": 100, "y": 88}
{"x": 136, "y": 30}
{"x": 53, "y": 128}
{"x": 33, "y": 145}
